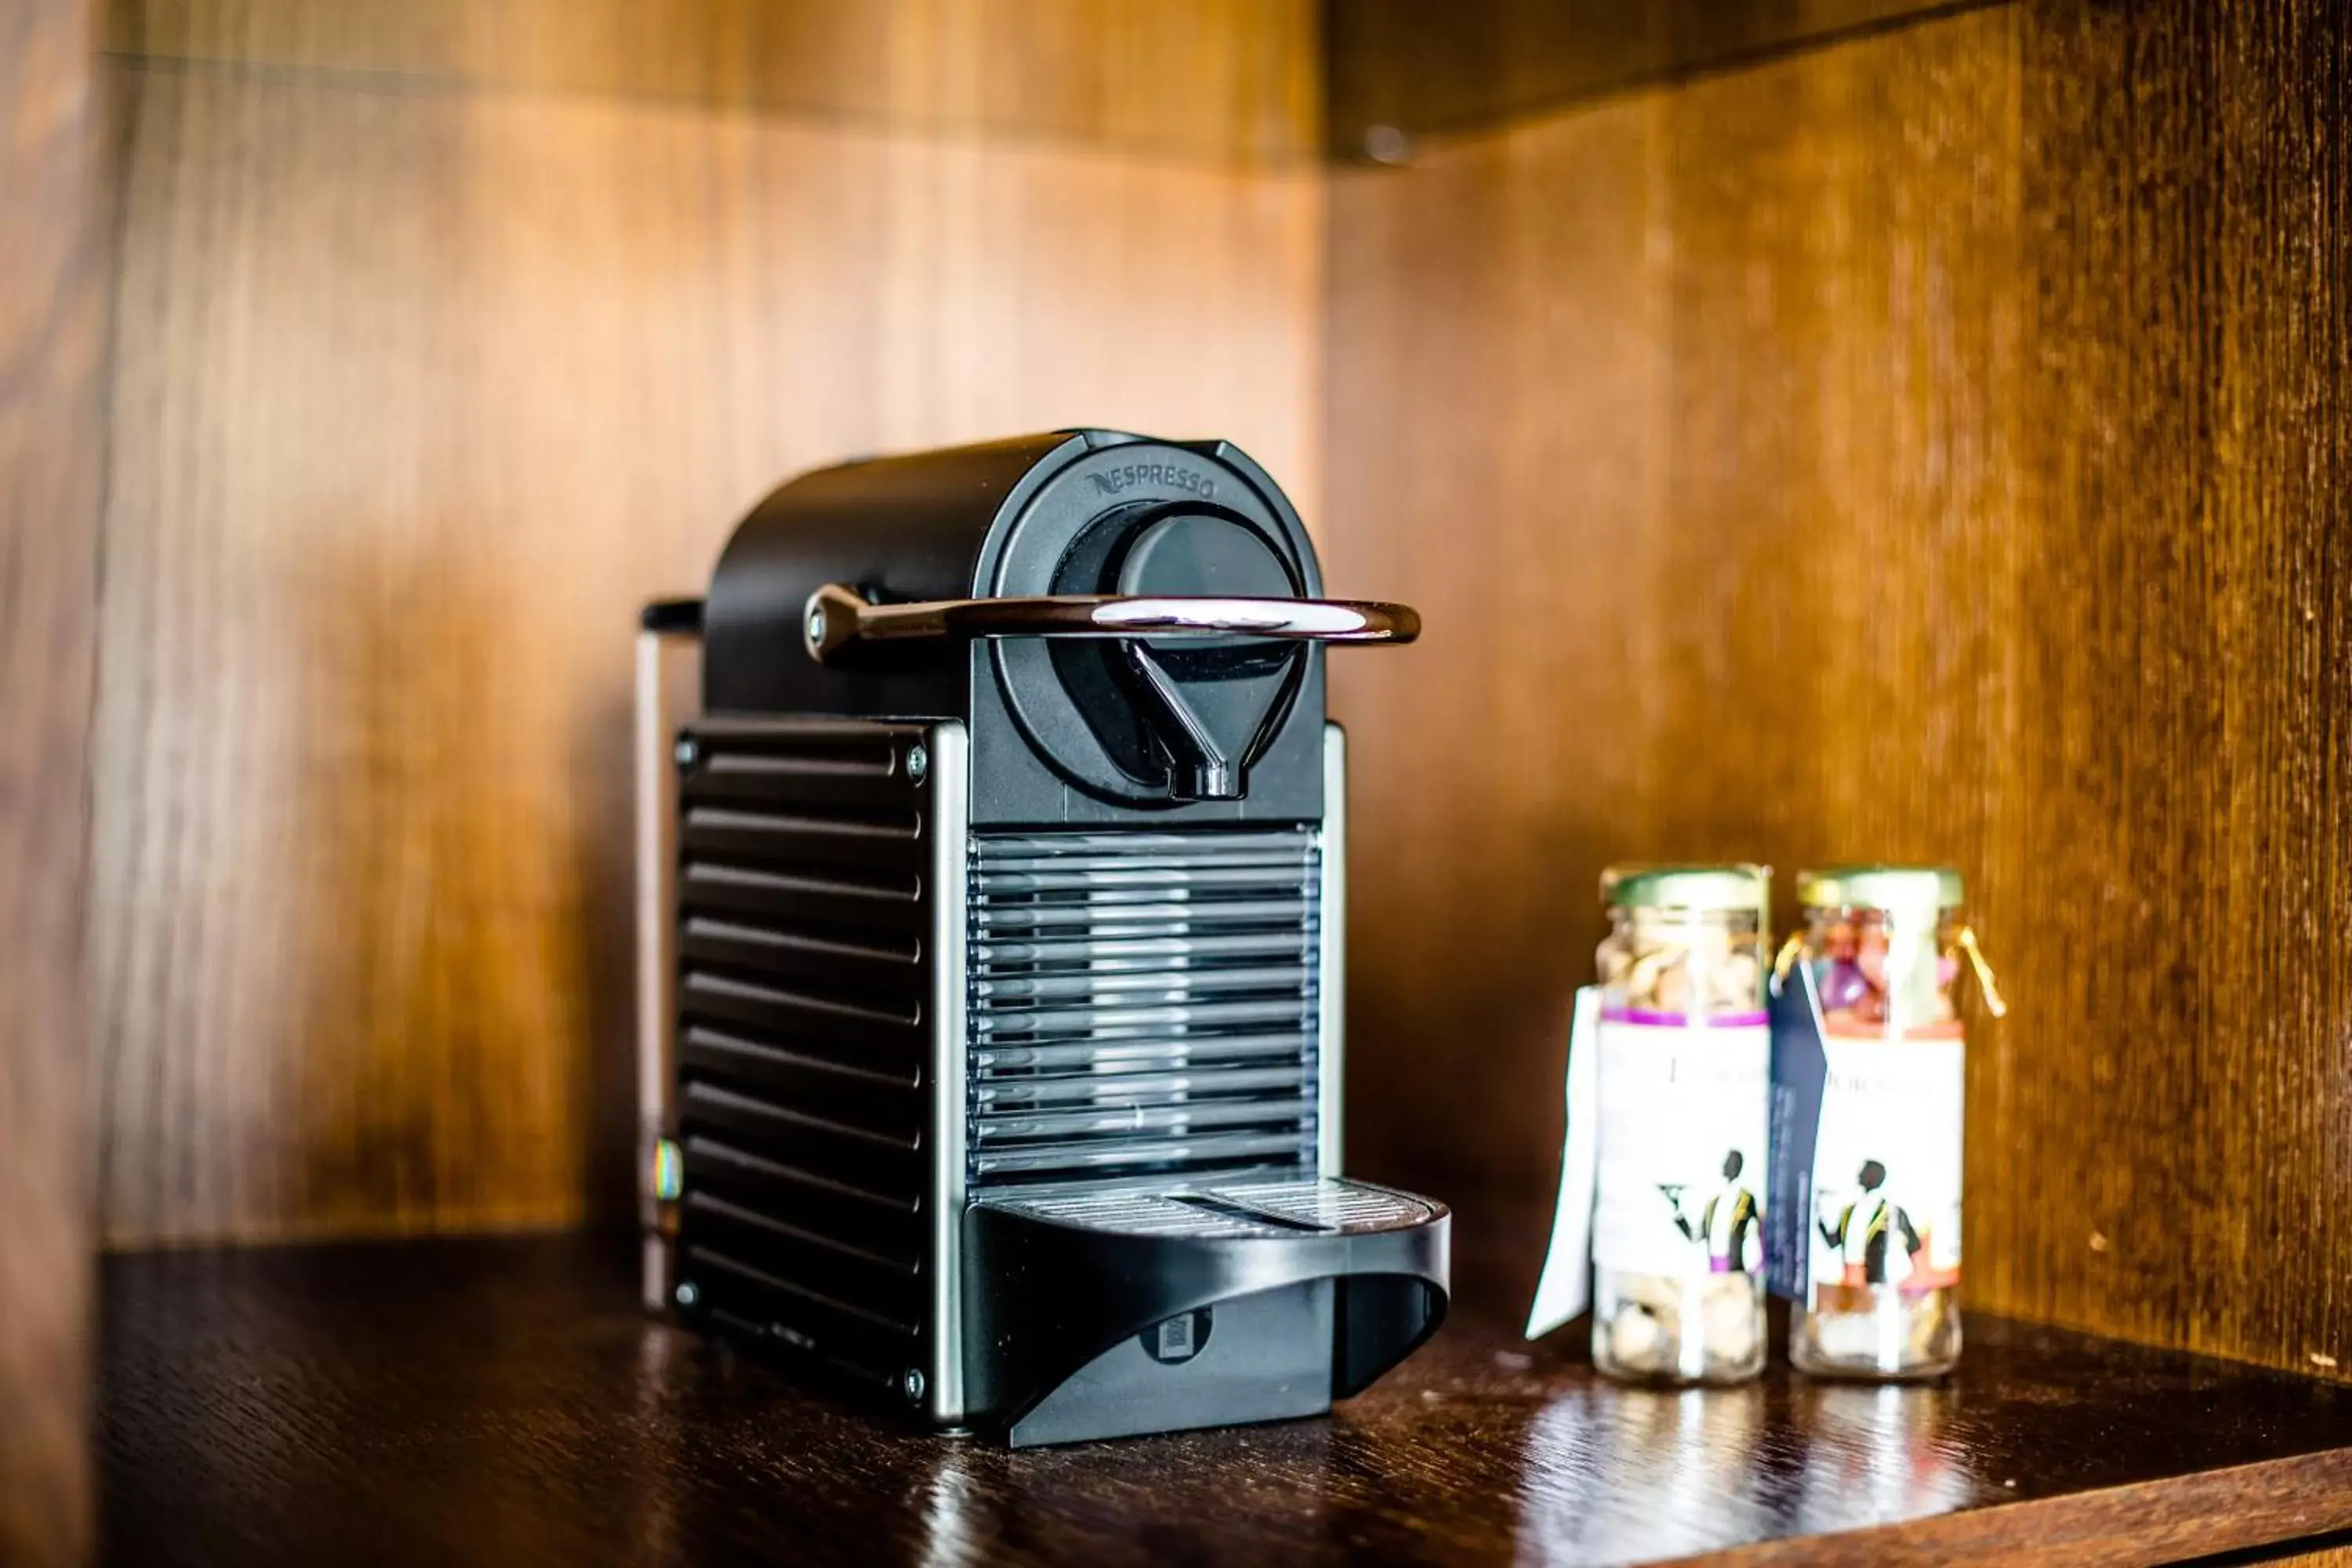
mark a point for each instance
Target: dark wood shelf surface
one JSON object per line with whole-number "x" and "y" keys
{"x": 505, "y": 1402}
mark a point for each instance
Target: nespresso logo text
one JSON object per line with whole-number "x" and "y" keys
{"x": 1111, "y": 481}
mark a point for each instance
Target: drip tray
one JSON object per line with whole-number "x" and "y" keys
{"x": 1105, "y": 1312}
{"x": 1320, "y": 1207}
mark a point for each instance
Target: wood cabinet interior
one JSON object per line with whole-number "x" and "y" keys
{"x": 52, "y": 358}
{"x": 424, "y": 384}
{"x": 1932, "y": 446}
{"x": 1229, "y": 80}
{"x": 1934, "y": 443}
{"x": 1401, "y": 74}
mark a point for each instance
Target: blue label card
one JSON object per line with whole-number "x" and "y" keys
{"x": 1565, "y": 1290}
{"x": 1800, "y": 1069}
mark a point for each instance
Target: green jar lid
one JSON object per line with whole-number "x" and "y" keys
{"x": 1880, "y": 888}
{"x": 1729, "y": 887}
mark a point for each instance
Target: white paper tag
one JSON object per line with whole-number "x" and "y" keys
{"x": 1565, "y": 1291}
{"x": 1684, "y": 1117}
{"x": 1886, "y": 1165}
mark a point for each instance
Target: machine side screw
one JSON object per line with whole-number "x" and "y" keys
{"x": 687, "y": 1294}
{"x": 918, "y": 762}
{"x": 687, "y": 753}
{"x": 913, "y": 1385}
{"x": 817, "y": 626}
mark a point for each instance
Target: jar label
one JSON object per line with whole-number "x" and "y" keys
{"x": 1886, "y": 1164}
{"x": 1683, "y": 1122}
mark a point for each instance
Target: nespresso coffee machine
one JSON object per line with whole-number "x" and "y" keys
{"x": 991, "y": 914}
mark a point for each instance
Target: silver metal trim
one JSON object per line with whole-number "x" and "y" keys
{"x": 1331, "y": 968}
{"x": 950, "y": 821}
{"x": 837, "y": 616}
{"x": 656, "y": 870}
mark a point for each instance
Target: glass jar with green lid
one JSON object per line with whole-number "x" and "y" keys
{"x": 1683, "y": 1085}
{"x": 1885, "y": 946}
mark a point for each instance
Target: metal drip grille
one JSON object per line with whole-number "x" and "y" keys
{"x": 1141, "y": 1214}
{"x": 1142, "y": 1003}
{"x": 1253, "y": 1208}
{"x": 1329, "y": 1205}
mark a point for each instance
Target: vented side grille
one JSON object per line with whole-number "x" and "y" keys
{"x": 1141, "y": 1003}
{"x": 802, "y": 1042}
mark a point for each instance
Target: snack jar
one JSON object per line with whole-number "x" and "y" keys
{"x": 1884, "y": 944}
{"x": 1684, "y": 1113}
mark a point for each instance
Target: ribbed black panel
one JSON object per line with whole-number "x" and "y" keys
{"x": 1141, "y": 1003}
{"x": 802, "y": 1042}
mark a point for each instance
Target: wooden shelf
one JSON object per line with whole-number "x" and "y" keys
{"x": 506, "y": 1402}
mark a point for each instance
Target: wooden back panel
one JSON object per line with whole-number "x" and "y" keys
{"x": 1930, "y": 445}
{"x": 420, "y": 392}
{"x": 1933, "y": 446}
{"x": 52, "y": 353}
{"x": 1232, "y": 81}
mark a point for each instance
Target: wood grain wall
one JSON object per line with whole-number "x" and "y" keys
{"x": 2338, "y": 1556}
{"x": 1228, "y": 79}
{"x": 2187, "y": 776}
{"x": 1932, "y": 445}
{"x": 420, "y": 391}
{"x": 52, "y": 346}
{"x": 1936, "y": 445}
{"x": 1400, "y": 72}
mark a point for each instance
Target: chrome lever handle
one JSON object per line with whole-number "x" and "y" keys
{"x": 837, "y": 617}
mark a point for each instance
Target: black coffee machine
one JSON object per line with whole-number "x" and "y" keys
{"x": 993, "y": 916}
